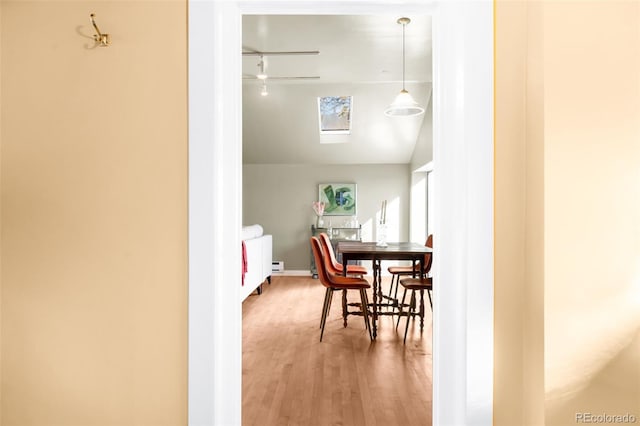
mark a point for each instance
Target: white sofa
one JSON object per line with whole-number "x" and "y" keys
{"x": 258, "y": 257}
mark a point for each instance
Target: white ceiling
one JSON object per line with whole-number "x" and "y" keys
{"x": 352, "y": 48}
{"x": 358, "y": 54}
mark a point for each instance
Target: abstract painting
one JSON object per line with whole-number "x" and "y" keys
{"x": 339, "y": 198}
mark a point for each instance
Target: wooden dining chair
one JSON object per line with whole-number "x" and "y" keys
{"x": 400, "y": 271}
{"x": 334, "y": 266}
{"x": 421, "y": 283}
{"x": 414, "y": 284}
{"x": 333, "y": 282}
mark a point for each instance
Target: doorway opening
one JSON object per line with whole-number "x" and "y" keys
{"x": 289, "y": 64}
{"x": 463, "y": 216}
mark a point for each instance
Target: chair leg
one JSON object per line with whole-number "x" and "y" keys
{"x": 328, "y": 298}
{"x": 365, "y": 311}
{"x": 421, "y": 310}
{"x": 393, "y": 281}
{"x": 404, "y": 295}
{"x": 324, "y": 305}
{"x": 430, "y": 302}
{"x": 411, "y": 308}
{"x": 395, "y": 295}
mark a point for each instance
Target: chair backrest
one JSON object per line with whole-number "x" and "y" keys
{"x": 428, "y": 258}
{"x": 427, "y": 263}
{"x": 327, "y": 247}
{"x": 320, "y": 260}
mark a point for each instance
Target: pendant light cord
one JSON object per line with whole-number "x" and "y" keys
{"x": 403, "y": 104}
{"x": 403, "y": 27}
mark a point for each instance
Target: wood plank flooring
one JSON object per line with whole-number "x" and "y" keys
{"x": 291, "y": 378}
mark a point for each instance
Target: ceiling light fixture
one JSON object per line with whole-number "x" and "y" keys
{"x": 261, "y": 75}
{"x": 403, "y": 105}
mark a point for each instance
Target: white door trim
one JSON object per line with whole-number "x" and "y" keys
{"x": 463, "y": 216}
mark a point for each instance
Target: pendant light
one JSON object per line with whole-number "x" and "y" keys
{"x": 403, "y": 105}
{"x": 263, "y": 77}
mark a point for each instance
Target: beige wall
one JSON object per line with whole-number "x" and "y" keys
{"x": 0, "y": 213}
{"x": 510, "y": 147}
{"x": 592, "y": 206}
{"x": 567, "y": 187}
{"x": 519, "y": 223}
{"x": 94, "y": 220}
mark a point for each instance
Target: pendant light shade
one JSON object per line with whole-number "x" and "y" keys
{"x": 403, "y": 105}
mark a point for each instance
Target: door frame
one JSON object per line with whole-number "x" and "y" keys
{"x": 463, "y": 198}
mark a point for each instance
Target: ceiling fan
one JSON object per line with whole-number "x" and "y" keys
{"x": 262, "y": 75}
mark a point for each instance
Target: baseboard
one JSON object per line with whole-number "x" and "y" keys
{"x": 303, "y": 273}
{"x": 292, "y": 272}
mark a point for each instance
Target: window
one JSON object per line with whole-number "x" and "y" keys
{"x": 334, "y": 114}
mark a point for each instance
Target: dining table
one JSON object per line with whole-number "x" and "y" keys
{"x": 353, "y": 251}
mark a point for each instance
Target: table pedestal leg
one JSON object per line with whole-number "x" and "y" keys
{"x": 344, "y": 308}
{"x": 376, "y": 292}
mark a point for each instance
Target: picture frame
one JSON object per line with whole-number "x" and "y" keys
{"x": 334, "y": 114}
{"x": 340, "y": 199}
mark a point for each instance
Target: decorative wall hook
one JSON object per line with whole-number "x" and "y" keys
{"x": 102, "y": 39}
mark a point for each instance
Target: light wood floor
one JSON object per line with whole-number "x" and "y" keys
{"x": 291, "y": 378}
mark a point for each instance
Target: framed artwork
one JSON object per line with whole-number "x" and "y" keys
{"x": 339, "y": 198}
{"x": 334, "y": 114}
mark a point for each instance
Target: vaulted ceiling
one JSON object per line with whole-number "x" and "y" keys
{"x": 359, "y": 56}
